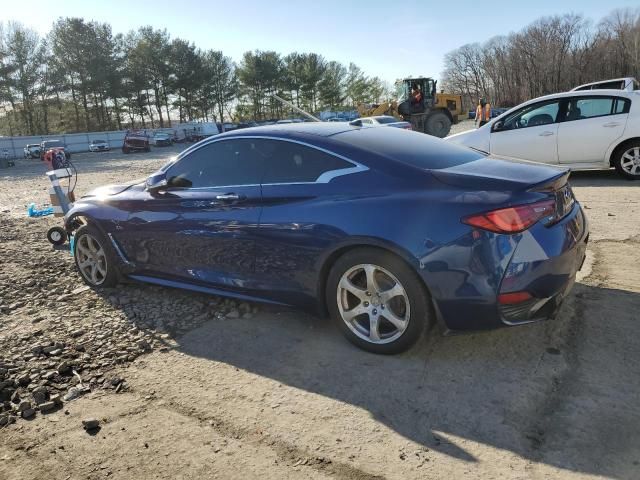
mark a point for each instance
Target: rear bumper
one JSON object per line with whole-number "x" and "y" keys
{"x": 545, "y": 265}
{"x": 467, "y": 278}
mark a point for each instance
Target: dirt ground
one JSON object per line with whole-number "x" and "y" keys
{"x": 235, "y": 391}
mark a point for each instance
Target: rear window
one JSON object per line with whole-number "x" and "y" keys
{"x": 411, "y": 148}
{"x": 385, "y": 120}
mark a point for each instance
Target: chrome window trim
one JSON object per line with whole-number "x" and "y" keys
{"x": 325, "y": 177}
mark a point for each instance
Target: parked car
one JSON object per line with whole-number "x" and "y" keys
{"x": 628, "y": 84}
{"x": 335, "y": 119}
{"x": 99, "y": 146}
{"x": 385, "y": 120}
{"x": 385, "y": 228}
{"x": 246, "y": 125}
{"x": 32, "y": 150}
{"x": 162, "y": 139}
{"x": 580, "y": 129}
{"x": 497, "y": 111}
{"x": 5, "y": 159}
{"x": 48, "y": 144}
{"x": 195, "y": 131}
{"x": 135, "y": 141}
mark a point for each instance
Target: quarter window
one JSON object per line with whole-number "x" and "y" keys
{"x": 288, "y": 162}
{"x": 225, "y": 163}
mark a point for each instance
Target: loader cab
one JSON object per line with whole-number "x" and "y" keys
{"x": 426, "y": 86}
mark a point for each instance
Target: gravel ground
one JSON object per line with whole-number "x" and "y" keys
{"x": 146, "y": 382}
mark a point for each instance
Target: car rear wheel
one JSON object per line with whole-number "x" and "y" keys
{"x": 94, "y": 257}
{"x": 627, "y": 161}
{"x": 377, "y": 301}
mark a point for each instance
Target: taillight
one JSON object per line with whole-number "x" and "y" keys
{"x": 513, "y": 219}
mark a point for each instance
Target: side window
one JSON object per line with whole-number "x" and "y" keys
{"x": 289, "y": 162}
{"x": 591, "y": 107}
{"x": 367, "y": 121}
{"x": 533, "y": 116}
{"x": 225, "y": 163}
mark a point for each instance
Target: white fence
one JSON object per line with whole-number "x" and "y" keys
{"x": 76, "y": 142}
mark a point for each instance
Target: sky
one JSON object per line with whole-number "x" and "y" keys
{"x": 385, "y": 38}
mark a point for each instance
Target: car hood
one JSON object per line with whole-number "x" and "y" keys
{"x": 110, "y": 190}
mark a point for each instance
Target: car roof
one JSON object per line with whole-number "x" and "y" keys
{"x": 584, "y": 93}
{"x": 321, "y": 129}
{"x": 578, "y": 93}
{"x": 628, "y": 81}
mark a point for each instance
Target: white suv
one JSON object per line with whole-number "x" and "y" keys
{"x": 579, "y": 129}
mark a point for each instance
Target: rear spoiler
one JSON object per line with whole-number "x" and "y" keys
{"x": 552, "y": 184}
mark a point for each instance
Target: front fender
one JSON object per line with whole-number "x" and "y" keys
{"x": 104, "y": 216}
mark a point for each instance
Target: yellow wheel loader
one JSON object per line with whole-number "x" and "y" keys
{"x": 427, "y": 111}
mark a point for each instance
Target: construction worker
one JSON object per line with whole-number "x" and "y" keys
{"x": 483, "y": 112}
{"x": 416, "y": 99}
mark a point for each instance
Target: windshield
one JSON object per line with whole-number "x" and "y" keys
{"x": 402, "y": 91}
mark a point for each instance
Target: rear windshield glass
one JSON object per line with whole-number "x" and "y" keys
{"x": 385, "y": 120}
{"x": 412, "y": 148}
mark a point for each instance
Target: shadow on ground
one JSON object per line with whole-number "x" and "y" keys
{"x": 600, "y": 178}
{"x": 562, "y": 392}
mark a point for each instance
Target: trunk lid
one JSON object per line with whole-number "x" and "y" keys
{"x": 490, "y": 173}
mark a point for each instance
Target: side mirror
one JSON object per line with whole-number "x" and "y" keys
{"x": 497, "y": 126}
{"x": 156, "y": 182}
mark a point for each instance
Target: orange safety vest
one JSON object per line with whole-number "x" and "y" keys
{"x": 483, "y": 115}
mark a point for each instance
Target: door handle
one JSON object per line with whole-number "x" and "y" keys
{"x": 545, "y": 134}
{"x": 611, "y": 124}
{"x": 228, "y": 197}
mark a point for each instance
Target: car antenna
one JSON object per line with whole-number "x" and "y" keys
{"x": 297, "y": 109}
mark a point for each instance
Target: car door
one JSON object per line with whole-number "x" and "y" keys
{"x": 589, "y": 126}
{"x": 529, "y": 133}
{"x": 201, "y": 228}
{"x": 301, "y": 194}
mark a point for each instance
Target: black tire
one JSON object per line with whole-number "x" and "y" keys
{"x": 419, "y": 313}
{"x": 147, "y": 149}
{"x": 626, "y": 160}
{"x": 57, "y": 235}
{"x": 89, "y": 233}
{"x": 438, "y": 124}
{"x": 125, "y": 150}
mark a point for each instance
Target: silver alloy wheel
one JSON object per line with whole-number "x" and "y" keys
{"x": 373, "y": 303}
{"x": 56, "y": 236}
{"x": 91, "y": 259}
{"x": 630, "y": 161}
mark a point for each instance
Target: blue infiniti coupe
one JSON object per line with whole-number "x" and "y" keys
{"x": 384, "y": 229}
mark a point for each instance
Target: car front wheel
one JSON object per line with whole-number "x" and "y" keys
{"x": 94, "y": 257}
{"x": 627, "y": 161}
{"x": 377, "y": 300}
